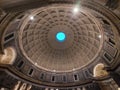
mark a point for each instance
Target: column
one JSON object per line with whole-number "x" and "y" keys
{"x": 23, "y": 87}
{"x": 29, "y": 87}
{"x": 17, "y": 85}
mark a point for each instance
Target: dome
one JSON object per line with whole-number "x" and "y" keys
{"x": 59, "y": 44}
{"x": 78, "y": 46}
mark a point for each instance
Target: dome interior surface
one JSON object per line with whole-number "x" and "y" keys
{"x": 81, "y": 45}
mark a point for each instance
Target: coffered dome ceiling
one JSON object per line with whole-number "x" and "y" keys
{"x": 61, "y": 44}
{"x": 80, "y": 45}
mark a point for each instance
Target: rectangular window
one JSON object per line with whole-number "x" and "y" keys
{"x": 53, "y": 78}
{"x": 111, "y": 41}
{"x": 75, "y": 77}
{"x": 9, "y": 37}
{"x": 30, "y": 72}
{"x": 42, "y": 75}
{"x": 108, "y": 57}
{"x": 20, "y": 64}
{"x": 64, "y": 78}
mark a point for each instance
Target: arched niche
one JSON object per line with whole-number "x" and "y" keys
{"x": 99, "y": 70}
{"x": 9, "y": 56}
